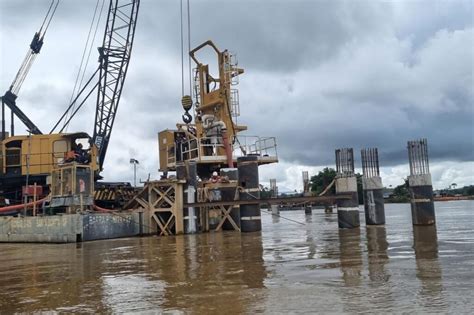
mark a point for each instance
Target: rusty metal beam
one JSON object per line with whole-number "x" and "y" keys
{"x": 268, "y": 201}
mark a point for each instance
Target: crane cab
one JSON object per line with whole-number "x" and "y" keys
{"x": 36, "y": 156}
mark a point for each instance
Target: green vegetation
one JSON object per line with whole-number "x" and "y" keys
{"x": 453, "y": 191}
{"x": 265, "y": 192}
{"x": 400, "y": 193}
{"x": 320, "y": 181}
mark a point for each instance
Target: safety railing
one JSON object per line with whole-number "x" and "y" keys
{"x": 211, "y": 148}
{"x": 254, "y": 145}
{"x": 196, "y": 149}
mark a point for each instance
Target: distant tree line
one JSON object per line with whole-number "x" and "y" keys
{"x": 452, "y": 191}
{"x": 400, "y": 194}
{"x": 320, "y": 181}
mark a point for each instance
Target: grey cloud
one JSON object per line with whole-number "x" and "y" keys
{"x": 319, "y": 74}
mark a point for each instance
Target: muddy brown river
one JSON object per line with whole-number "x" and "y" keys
{"x": 305, "y": 267}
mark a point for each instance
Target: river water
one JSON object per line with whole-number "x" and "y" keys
{"x": 311, "y": 267}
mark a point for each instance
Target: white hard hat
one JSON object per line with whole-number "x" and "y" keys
{"x": 214, "y": 173}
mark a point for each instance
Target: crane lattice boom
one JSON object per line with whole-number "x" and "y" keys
{"x": 114, "y": 57}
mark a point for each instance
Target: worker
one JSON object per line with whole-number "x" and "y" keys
{"x": 70, "y": 156}
{"x": 79, "y": 153}
{"x": 215, "y": 177}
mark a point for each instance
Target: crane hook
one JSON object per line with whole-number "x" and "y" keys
{"x": 187, "y": 118}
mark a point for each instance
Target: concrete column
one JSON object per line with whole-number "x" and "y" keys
{"x": 275, "y": 209}
{"x": 419, "y": 182}
{"x": 372, "y": 187}
{"x": 250, "y": 219}
{"x": 373, "y": 200}
{"x": 422, "y": 204}
{"x": 346, "y": 184}
{"x": 229, "y": 194}
{"x": 347, "y": 209}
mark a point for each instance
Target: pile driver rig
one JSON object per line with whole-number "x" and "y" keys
{"x": 213, "y": 140}
{"x": 32, "y": 158}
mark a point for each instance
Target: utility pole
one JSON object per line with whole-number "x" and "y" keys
{"x": 134, "y": 162}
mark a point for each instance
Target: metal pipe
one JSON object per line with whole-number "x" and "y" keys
{"x": 21, "y": 206}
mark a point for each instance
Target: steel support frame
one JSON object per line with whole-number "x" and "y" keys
{"x": 163, "y": 203}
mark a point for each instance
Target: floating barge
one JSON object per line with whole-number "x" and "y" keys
{"x": 69, "y": 228}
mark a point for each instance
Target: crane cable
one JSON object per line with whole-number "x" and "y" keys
{"x": 189, "y": 48}
{"x": 82, "y": 67}
{"x": 186, "y": 100}
{"x": 182, "y": 49}
{"x": 50, "y": 18}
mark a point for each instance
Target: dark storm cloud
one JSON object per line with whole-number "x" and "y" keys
{"x": 319, "y": 74}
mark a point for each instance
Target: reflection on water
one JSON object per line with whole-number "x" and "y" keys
{"x": 428, "y": 270}
{"x": 350, "y": 256}
{"x": 310, "y": 238}
{"x": 377, "y": 246}
{"x": 306, "y": 267}
{"x": 275, "y": 218}
{"x": 215, "y": 269}
{"x": 379, "y": 273}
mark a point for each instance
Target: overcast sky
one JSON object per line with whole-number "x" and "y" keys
{"x": 319, "y": 75}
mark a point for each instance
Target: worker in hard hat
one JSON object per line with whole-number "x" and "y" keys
{"x": 215, "y": 177}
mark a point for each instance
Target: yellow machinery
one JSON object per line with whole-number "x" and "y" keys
{"x": 213, "y": 140}
{"x": 31, "y": 159}
{"x": 36, "y": 156}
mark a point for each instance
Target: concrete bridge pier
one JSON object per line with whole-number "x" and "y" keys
{"x": 274, "y": 190}
{"x": 306, "y": 192}
{"x": 347, "y": 209}
{"x": 346, "y": 183}
{"x": 374, "y": 207}
{"x": 419, "y": 182}
{"x": 422, "y": 204}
